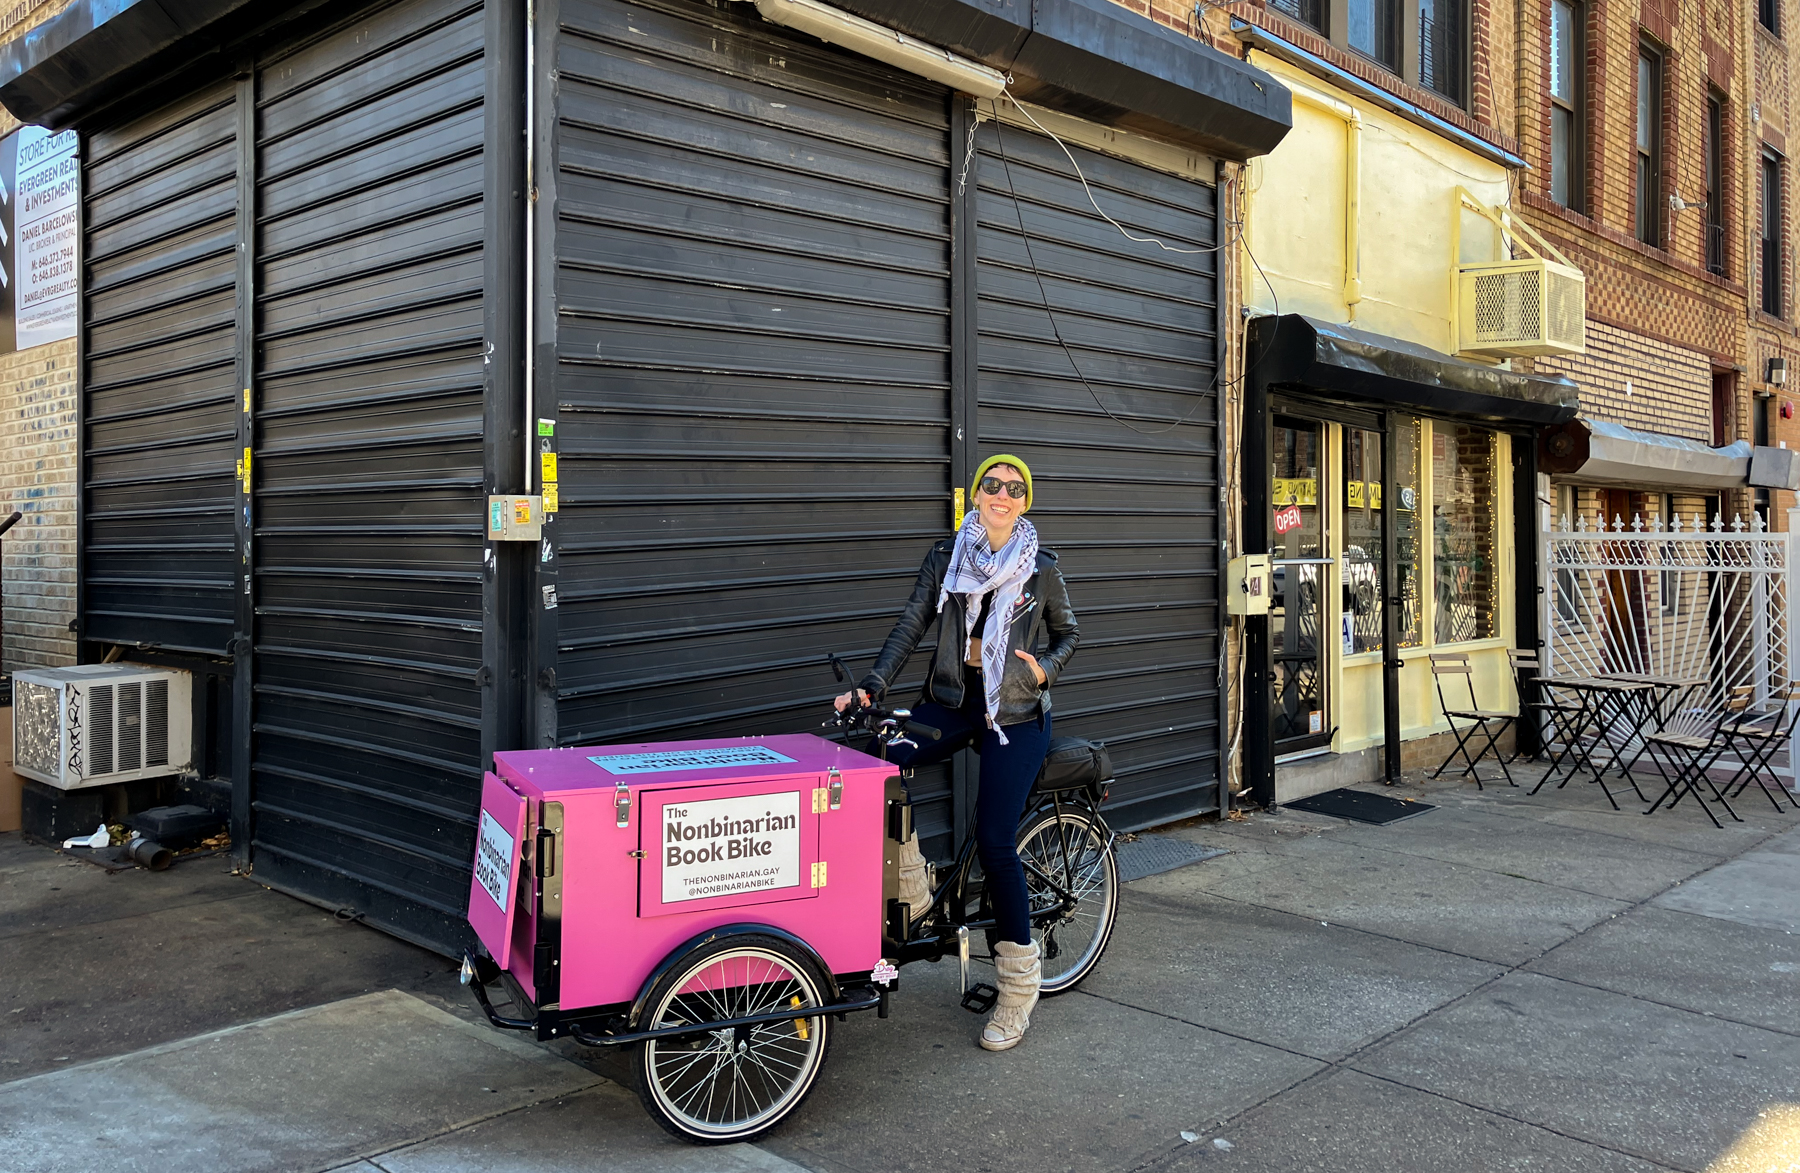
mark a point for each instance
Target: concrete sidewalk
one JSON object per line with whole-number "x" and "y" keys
{"x": 1506, "y": 982}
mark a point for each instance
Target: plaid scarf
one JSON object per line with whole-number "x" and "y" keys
{"x": 975, "y": 570}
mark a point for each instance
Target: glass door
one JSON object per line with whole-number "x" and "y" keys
{"x": 1302, "y": 564}
{"x": 1361, "y": 575}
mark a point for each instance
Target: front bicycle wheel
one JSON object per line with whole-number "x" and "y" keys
{"x": 1070, "y": 852}
{"x": 733, "y": 1083}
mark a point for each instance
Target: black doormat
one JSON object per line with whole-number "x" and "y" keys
{"x": 1361, "y": 806}
{"x": 1150, "y": 855}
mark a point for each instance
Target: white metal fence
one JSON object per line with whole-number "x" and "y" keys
{"x": 1706, "y": 604}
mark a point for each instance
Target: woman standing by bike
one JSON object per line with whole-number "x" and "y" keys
{"x": 994, "y": 594}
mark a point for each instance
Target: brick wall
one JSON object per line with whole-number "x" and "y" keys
{"x": 1656, "y": 317}
{"x": 1670, "y": 388}
{"x": 37, "y": 477}
{"x": 1770, "y": 74}
{"x": 1491, "y": 69}
{"x": 37, "y": 468}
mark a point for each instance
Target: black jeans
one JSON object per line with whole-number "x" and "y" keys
{"x": 1007, "y": 775}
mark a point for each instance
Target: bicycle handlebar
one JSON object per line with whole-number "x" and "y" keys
{"x": 889, "y": 725}
{"x": 871, "y": 717}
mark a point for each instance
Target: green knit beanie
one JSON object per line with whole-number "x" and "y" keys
{"x": 1002, "y": 458}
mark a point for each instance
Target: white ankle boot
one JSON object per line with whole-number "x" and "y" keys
{"x": 914, "y": 890}
{"x": 1019, "y": 972}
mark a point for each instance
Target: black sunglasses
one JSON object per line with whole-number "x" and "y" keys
{"x": 992, "y": 486}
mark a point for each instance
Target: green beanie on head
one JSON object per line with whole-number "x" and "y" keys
{"x": 1002, "y": 458}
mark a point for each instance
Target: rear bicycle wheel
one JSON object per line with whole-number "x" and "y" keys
{"x": 1070, "y": 851}
{"x": 734, "y": 1083}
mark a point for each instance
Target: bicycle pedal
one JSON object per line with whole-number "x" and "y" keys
{"x": 980, "y": 998}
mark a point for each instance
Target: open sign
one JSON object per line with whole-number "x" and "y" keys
{"x": 1287, "y": 519}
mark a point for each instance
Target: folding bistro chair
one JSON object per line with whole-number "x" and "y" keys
{"x": 1756, "y": 738}
{"x": 1559, "y": 715}
{"x": 1694, "y": 755}
{"x": 1457, "y": 664}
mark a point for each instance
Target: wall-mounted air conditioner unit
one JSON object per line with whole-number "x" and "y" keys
{"x": 1534, "y": 302}
{"x": 1510, "y": 308}
{"x": 99, "y": 723}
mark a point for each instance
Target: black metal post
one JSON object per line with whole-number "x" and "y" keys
{"x": 243, "y": 639}
{"x": 1528, "y": 586}
{"x": 505, "y": 647}
{"x": 1390, "y": 598}
{"x": 541, "y": 614}
{"x": 965, "y": 392}
{"x": 964, "y": 325}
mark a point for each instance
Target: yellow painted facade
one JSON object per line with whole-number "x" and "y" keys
{"x": 1387, "y": 266}
{"x": 1356, "y": 218}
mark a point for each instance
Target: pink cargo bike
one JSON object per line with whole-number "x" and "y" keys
{"x": 715, "y": 905}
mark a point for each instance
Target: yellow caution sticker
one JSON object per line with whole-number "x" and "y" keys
{"x": 547, "y": 467}
{"x": 550, "y": 497}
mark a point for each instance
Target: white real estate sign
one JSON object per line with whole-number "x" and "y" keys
{"x": 40, "y": 221}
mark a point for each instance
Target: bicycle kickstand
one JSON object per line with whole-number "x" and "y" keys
{"x": 978, "y": 998}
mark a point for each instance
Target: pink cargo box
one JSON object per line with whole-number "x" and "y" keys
{"x": 649, "y": 845}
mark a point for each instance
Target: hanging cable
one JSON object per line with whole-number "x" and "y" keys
{"x": 1044, "y": 295}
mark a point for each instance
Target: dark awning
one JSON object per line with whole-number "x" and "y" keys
{"x": 95, "y": 51}
{"x": 1089, "y": 58}
{"x": 1099, "y": 61}
{"x": 1296, "y": 351}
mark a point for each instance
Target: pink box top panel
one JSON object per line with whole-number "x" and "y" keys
{"x": 676, "y": 763}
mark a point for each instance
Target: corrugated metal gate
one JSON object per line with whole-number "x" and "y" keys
{"x": 753, "y": 366}
{"x": 772, "y": 366}
{"x": 159, "y": 419}
{"x": 1119, "y": 422}
{"x": 368, "y": 468}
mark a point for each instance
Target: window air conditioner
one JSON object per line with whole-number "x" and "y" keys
{"x": 100, "y": 723}
{"x": 1506, "y": 309}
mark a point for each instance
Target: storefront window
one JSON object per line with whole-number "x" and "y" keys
{"x": 1361, "y": 573}
{"x": 1464, "y": 507}
{"x": 1408, "y": 530}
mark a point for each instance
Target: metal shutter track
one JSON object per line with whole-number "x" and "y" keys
{"x": 1129, "y": 504}
{"x": 159, "y": 386}
{"x": 369, "y": 482}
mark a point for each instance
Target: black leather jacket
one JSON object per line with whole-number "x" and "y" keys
{"x": 1044, "y": 607}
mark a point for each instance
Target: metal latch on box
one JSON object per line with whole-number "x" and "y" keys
{"x": 831, "y": 797}
{"x": 515, "y": 519}
{"x": 622, "y": 805}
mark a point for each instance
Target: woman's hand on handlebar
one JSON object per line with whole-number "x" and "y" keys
{"x": 843, "y": 702}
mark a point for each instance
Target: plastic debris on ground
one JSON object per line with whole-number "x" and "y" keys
{"x": 100, "y": 838}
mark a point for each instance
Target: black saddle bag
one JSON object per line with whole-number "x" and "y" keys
{"x": 1075, "y": 763}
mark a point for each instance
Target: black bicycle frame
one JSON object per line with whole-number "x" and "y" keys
{"x": 936, "y": 946}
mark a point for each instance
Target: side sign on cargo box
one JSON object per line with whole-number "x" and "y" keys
{"x": 495, "y": 875}
{"x": 495, "y": 853}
